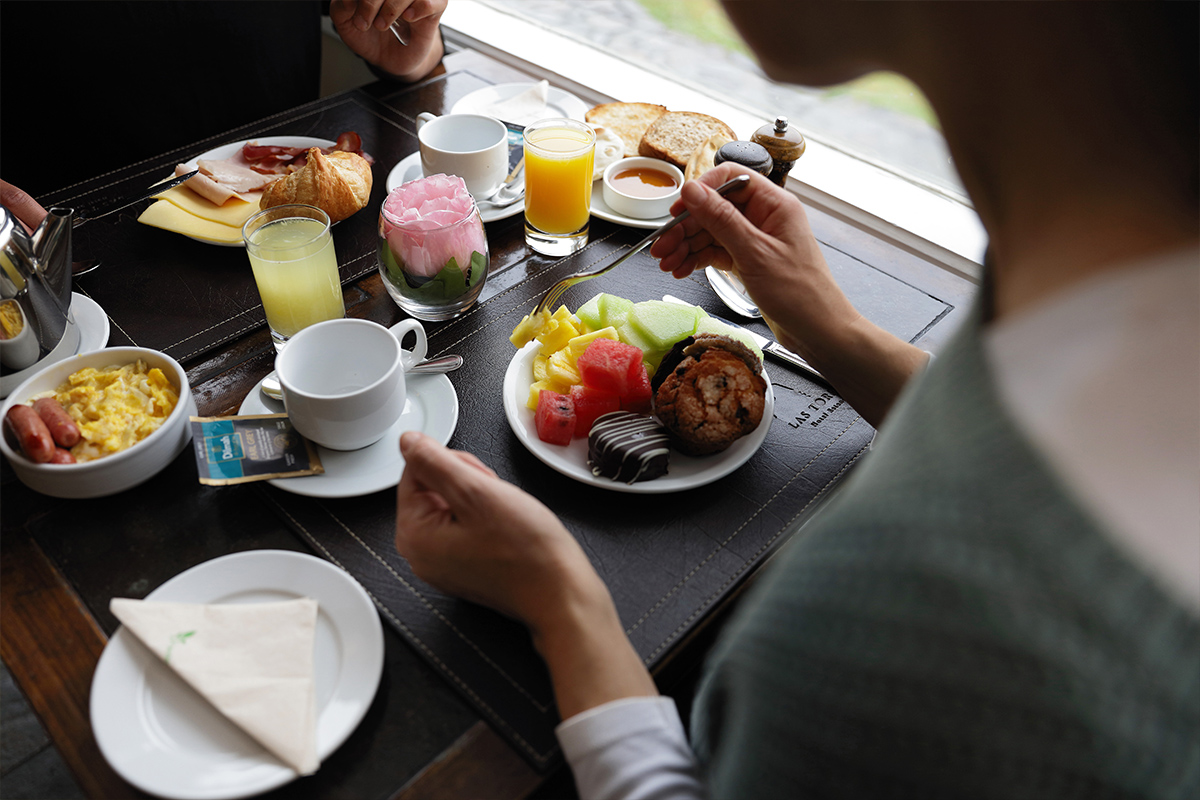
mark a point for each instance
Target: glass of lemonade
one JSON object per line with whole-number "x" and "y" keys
{"x": 295, "y": 267}
{"x": 558, "y": 185}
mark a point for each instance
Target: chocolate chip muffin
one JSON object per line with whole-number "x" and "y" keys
{"x": 710, "y": 393}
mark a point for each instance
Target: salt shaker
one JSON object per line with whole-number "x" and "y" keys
{"x": 749, "y": 154}
{"x": 784, "y": 143}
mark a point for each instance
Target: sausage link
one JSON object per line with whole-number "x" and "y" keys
{"x": 61, "y": 456}
{"x": 32, "y": 434}
{"x": 62, "y": 427}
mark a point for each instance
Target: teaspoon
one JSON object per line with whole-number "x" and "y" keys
{"x": 732, "y": 293}
{"x": 430, "y": 366}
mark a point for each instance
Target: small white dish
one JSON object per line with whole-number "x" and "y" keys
{"x": 558, "y": 102}
{"x": 163, "y": 738}
{"x": 431, "y": 407}
{"x": 90, "y": 332}
{"x": 602, "y": 210}
{"x": 683, "y": 472}
{"x": 409, "y": 169}
{"x": 119, "y": 471}
{"x": 641, "y": 206}
{"x": 231, "y": 149}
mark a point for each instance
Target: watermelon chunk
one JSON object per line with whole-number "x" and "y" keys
{"x": 555, "y": 417}
{"x": 610, "y": 366}
{"x": 589, "y": 404}
{"x": 640, "y": 399}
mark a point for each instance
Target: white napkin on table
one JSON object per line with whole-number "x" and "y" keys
{"x": 253, "y": 662}
{"x": 524, "y": 108}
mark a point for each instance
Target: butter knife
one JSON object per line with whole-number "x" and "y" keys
{"x": 83, "y": 216}
{"x": 769, "y": 346}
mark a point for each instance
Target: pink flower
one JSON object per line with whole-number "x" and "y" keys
{"x": 428, "y": 221}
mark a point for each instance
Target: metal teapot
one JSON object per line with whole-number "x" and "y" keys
{"x": 35, "y": 287}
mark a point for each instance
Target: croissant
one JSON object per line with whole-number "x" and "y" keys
{"x": 339, "y": 184}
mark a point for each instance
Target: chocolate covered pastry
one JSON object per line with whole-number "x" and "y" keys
{"x": 627, "y": 447}
{"x": 710, "y": 393}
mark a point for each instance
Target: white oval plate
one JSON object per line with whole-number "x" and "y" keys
{"x": 231, "y": 149}
{"x": 558, "y": 102}
{"x": 602, "y": 210}
{"x": 163, "y": 738}
{"x": 409, "y": 169}
{"x": 683, "y": 472}
{"x": 431, "y": 407}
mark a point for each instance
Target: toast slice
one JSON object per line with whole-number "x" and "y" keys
{"x": 675, "y": 136}
{"x": 627, "y": 120}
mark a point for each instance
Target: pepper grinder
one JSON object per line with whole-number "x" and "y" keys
{"x": 784, "y": 143}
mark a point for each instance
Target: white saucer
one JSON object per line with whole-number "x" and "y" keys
{"x": 558, "y": 102}
{"x": 162, "y": 737}
{"x": 431, "y": 407}
{"x": 601, "y": 209}
{"x": 90, "y": 332}
{"x": 683, "y": 472}
{"x": 409, "y": 169}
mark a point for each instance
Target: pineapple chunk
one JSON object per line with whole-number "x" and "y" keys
{"x": 535, "y": 390}
{"x": 528, "y": 328}
{"x": 562, "y": 369}
{"x": 556, "y": 335}
{"x": 539, "y": 367}
{"x": 580, "y": 343}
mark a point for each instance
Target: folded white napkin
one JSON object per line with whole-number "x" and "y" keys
{"x": 524, "y": 108}
{"x": 253, "y": 662}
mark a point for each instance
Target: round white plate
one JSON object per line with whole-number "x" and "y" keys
{"x": 602, "y": 210}
{"x": 558, "y": 102}
{"x": 431, "y": 407}
{"x": 230, "y": 150}
{"x": 163, "y": 738}
{"x": 683, "y": 472}
{"x": 89, "y": 333}
{"x": 409, "y": 169}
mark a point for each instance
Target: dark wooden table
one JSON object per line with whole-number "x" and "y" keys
{"x": 61, "y": 560}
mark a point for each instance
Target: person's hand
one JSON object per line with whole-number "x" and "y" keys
{"x": 29, "y": 212}
{"x": 363, "y": 26}
{"x": 761, "y": 232}
{"x": 475, "y": 536}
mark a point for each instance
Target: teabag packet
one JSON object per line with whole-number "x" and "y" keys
{"x": 255, "y": 447}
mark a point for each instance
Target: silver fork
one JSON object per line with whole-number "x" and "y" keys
{"x": 556, "y": 291}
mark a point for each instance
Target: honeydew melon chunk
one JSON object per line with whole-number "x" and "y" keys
{"x": 589, "y": 313}
{"x": 709, "y": 325}
{"x": 662, "y": 323}
{"x": 614, "y": 310}
{"x": 561, "y": 368}
{"x": 577, "y": 345}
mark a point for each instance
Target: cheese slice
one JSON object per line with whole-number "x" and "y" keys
{"x": 170, "y": 217}
{"x": 234, "y": 212}
{"x": 253, "y": 662}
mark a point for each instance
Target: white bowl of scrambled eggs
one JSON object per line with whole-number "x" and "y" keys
{"x": 132, "y": 407}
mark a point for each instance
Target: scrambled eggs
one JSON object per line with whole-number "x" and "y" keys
{"x": 116, "y": 407}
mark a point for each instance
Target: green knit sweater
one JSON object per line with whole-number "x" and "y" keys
{"x": 953, "y": 625}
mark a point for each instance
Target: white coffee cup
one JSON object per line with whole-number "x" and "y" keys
{"x": 343, "y": 379}
{"x": 471, "y": 146}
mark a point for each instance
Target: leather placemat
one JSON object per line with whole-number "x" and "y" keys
{"x": 668, "y": 559}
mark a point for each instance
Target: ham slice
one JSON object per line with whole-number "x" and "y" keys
{"x": 221, "y": 181}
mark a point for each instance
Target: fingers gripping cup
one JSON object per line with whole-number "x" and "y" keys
{"x": 343, "y": 380}
{"x": 433, "y": 250}
{"x": 295, "y": 268}
{"x": 559, "y": 154}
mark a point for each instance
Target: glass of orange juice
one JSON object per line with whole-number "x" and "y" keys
{"x": 558, "y": 185}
